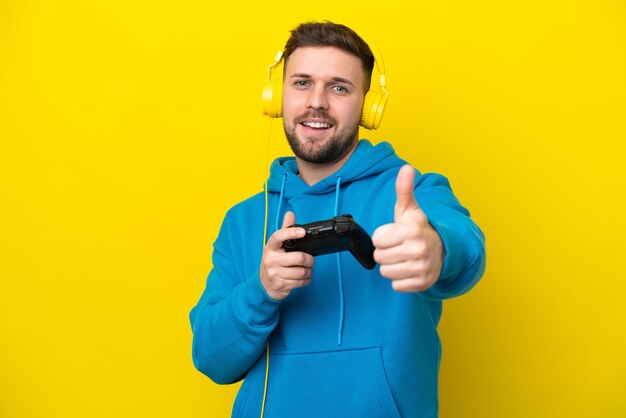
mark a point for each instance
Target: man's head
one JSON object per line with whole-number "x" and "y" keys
{"x": 326, "y": 75}
{"x": 335, "y": 35}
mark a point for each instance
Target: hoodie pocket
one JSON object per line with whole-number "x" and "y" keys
{"x": 347, "y": 383}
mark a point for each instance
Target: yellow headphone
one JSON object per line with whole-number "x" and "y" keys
{"x": 373, "y": 105}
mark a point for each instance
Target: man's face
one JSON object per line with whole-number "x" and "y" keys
{"x": 322, "y": 101}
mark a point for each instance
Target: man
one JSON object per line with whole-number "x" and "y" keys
{"x": 343, "y": 341}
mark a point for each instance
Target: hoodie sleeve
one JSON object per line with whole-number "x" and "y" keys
{"x": 464, "y": 242}
{"x": 234, "y": 317}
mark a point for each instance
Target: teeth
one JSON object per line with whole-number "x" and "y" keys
{"x": 316, "y": 124}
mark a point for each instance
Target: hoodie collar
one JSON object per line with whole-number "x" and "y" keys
{"x": 367, "y": 160}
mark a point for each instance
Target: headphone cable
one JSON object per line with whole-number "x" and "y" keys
{"x": 267, "y": 347}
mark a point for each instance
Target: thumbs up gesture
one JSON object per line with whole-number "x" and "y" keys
{"x": 409, "y": 250}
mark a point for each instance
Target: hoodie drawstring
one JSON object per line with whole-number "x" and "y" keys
{"x": 280, "y": 202}
{"x": 339, "y": 275}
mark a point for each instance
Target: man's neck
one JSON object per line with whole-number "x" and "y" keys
{"x": 312, "y": 173}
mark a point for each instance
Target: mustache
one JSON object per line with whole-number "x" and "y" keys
{"x": 321, "y": 115}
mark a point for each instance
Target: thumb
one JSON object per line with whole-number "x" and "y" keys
{"x": 405, "y": 195}
{"x": 289, "y": 219}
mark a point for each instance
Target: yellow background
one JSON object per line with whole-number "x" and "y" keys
{"x": 127, "y": 129}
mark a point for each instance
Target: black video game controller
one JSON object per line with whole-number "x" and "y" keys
{"x": 340, "y": 233}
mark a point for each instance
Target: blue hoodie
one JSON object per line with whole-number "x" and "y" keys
{"x": 347, "y": 345}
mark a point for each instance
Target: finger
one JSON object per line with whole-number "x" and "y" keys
{"x": 412, "y": 249}
{"x": 294, "y": 284}
{"x": 392, "y": 255}
{"x": 288, "y": 285}
{"x": 405, "y": 194}
{"x": 276, "y": 240}
{"x": 289, "y": 219}
{"x": 296, "y": 273}
{"x": 389, "y": 235}
{"x": 296, "y": 259}
{"x": 404, "y": 270}
{"x": 410, "y": 285}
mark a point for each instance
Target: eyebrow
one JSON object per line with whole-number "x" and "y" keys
{"x": 336, "y": 79}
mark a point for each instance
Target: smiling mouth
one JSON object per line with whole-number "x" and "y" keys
{"x": 317, "y": 125}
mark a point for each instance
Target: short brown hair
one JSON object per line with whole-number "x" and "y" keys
{"x": 331, "y": 34}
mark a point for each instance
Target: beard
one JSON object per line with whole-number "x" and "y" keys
{"x": 332, "y": 149}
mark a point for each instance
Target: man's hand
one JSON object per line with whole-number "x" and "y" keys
{"x": 281, "y": 272}
{"x": 409, "y": 250}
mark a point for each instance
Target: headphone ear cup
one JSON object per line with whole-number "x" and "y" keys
{"x": 273, "y": 95}
{"x": 269, "y": 107}
{"x": 373, "y": 109}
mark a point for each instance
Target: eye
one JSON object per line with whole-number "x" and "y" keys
{"x": 339, "y": 89}
{"x": 301, "y": 83}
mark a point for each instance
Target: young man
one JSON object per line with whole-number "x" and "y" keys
{"x": 343, "y": 341}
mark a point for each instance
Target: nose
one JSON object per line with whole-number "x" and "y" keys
{"x": 317, "y": 98}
